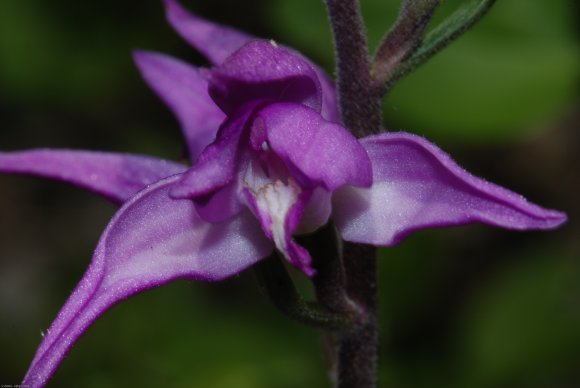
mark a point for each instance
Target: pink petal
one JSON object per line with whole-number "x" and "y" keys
{"x": 217, "y": 42}
{"x": 152, "y": 240}
{"x": 114, "y": 176}
{"x": 324, "y": 152}
{"x": 216, "y": 166}
{"x": 316, "y": 212}
{"x": 184, "y": 91}
{"x": 329, "y": 97}
{"x": 264, "y": 71}
{"x": 221, "y": 205}
{"x": 417, "y": 186}
{"x": 214, "y": 41}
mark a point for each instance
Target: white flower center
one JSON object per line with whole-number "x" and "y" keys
{"x": 274, "y": 194}
{"x": 276, "y": 199}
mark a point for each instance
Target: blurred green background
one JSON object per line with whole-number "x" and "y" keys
{"x": 462, "y": 307}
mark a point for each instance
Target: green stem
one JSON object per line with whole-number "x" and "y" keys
{"x": 275, "y": 280}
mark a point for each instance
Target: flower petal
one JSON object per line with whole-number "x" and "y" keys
{"x": 184, "y": 91}
{"x": 114, "y": 176}
{"x": 152, "y": 240}
{"x": 324, "y": 152}
{"x": 278, "y": 202}
{"x": 216, "y": 166}
{"x": 416, "y": 186}
{"x": 316, "y": 213}
{"x": 329, "y": 97}
{"x": 221, "y": 205}
{"x": 262, "y": 70}
{"x": 214, "y": 41}
{"x": 217, "y": 42}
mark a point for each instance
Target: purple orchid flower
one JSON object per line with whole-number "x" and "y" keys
{"x": 269, "y": 161}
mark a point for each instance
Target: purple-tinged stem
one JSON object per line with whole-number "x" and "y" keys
{"x": 356, "y": 349}
{"x": 359, "y": 96}
{"x": 403, "y": 38}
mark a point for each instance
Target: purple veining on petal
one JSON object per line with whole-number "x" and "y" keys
{"x": 324, "y": 152}
{"x": 114, "y": 176}
{"x": 152, "y": 240}
{"x": 417, "y": 186}
{"x": 184, "y": 91}
{"x": 262, "y": 70}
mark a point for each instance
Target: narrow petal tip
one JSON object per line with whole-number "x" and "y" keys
{"x": 183, "y": 89}
{"x": 151, "y": 241}
{"x": 214, "y": 41}
{"x": 544, "y": 219}
{"x": 557, "y": 219}
{"x": 174, "y": 9}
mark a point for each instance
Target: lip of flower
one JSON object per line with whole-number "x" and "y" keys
{"x": 278, "y": 164}
{"x": 289, "y": 151}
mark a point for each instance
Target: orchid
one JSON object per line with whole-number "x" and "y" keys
{"x": 270, "y": 160}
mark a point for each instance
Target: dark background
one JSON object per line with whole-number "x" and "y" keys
{"x": 462, "y": 307}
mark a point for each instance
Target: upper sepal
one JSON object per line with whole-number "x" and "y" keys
{"x": 218, "y": 42}
{"x": 264, "y": 71}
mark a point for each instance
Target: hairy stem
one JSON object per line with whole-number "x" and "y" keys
{"x": 355, "y": 350}
{"x": 403, "y": 38}
{"x": 358, "y": 347}
{"x": 359, "y": 96}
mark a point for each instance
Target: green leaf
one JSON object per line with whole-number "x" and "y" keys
{"x": 513, "y": 74}
{"x": 444, "y": 34}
